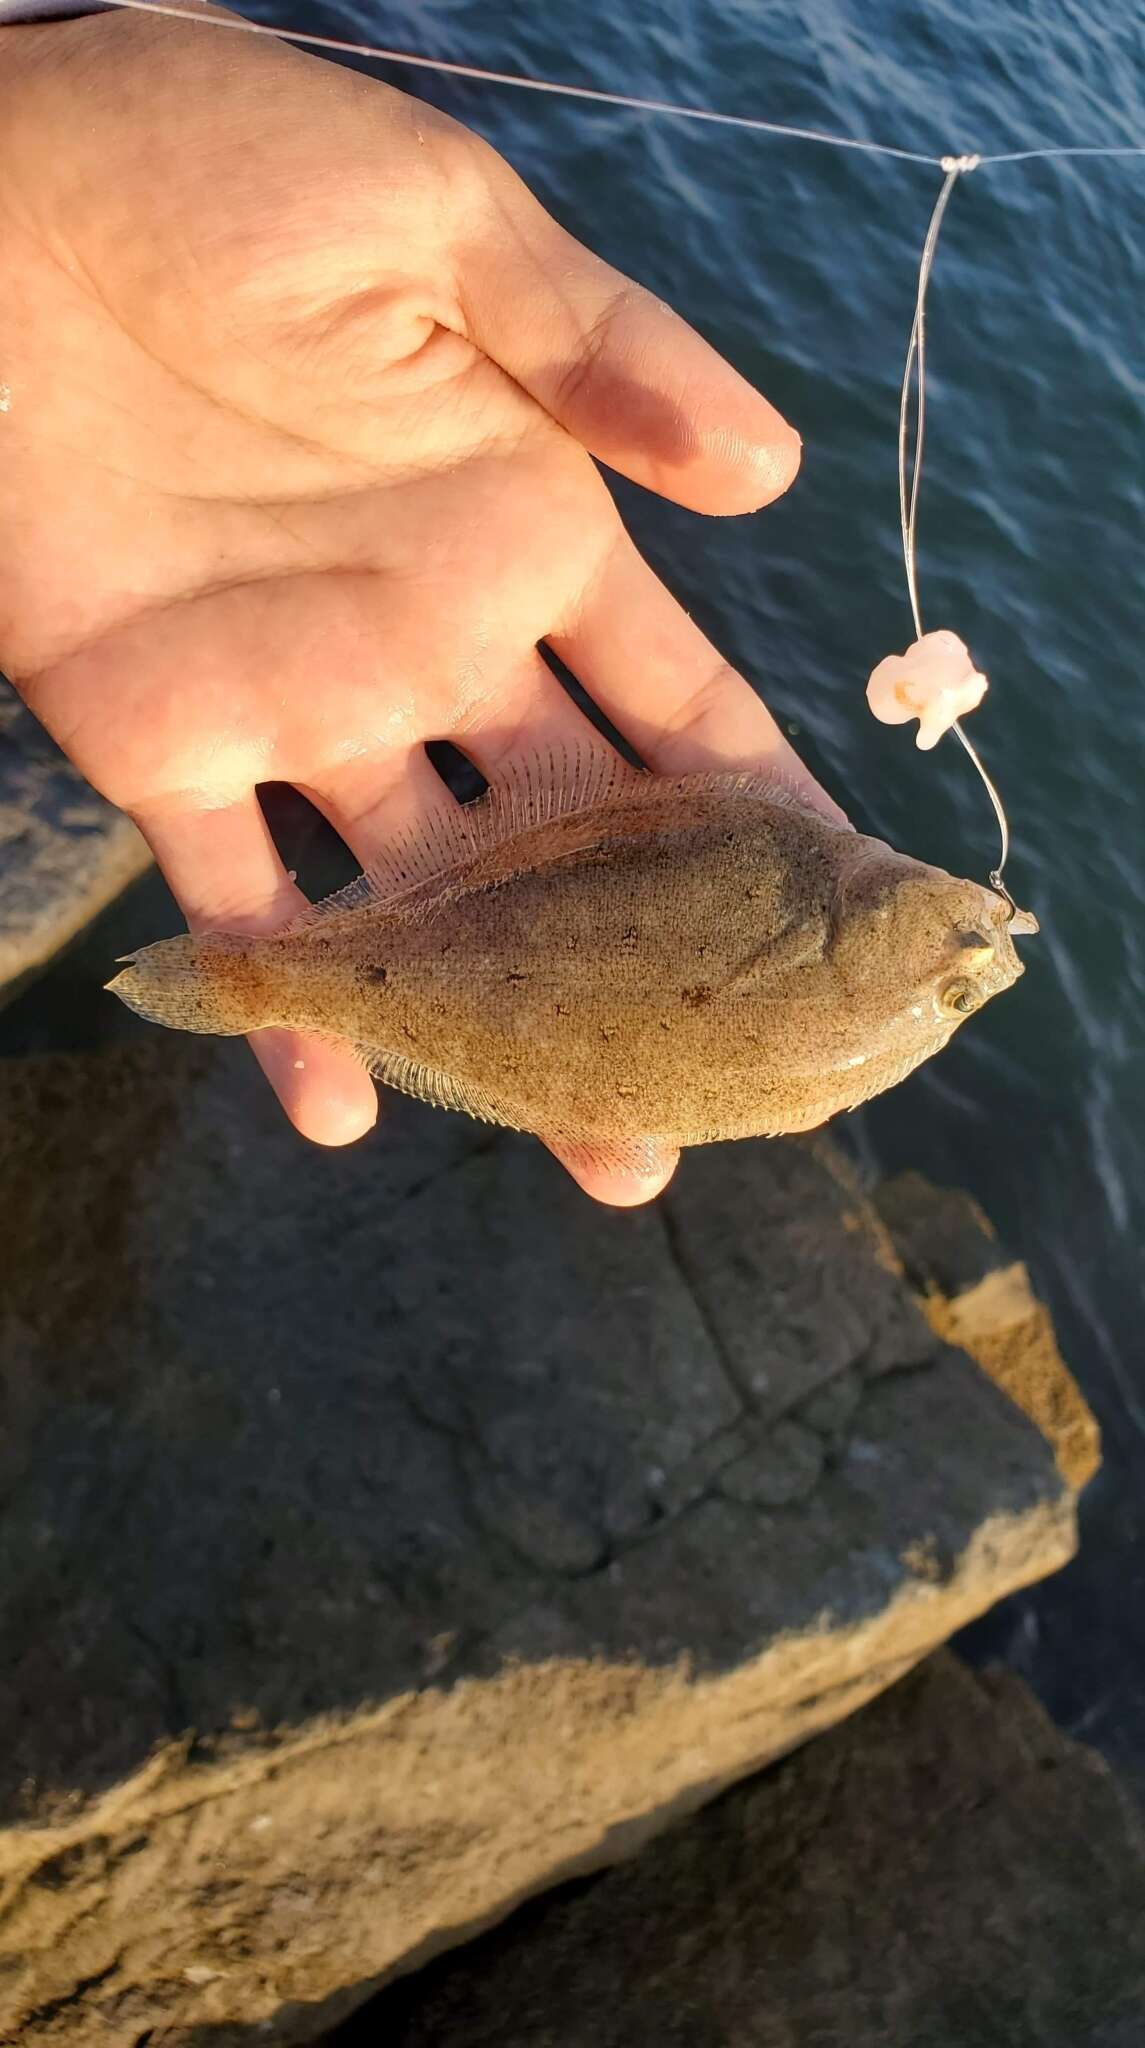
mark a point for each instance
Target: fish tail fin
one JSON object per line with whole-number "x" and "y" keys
{"x": 196, "y": 984}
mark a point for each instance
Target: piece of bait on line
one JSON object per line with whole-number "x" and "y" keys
{"x": 935, "y": 681}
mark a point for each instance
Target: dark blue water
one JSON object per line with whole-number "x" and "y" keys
{"x": 799, "y": 263}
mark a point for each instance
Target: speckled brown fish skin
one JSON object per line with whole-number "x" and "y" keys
{"x": 688, "y": 961}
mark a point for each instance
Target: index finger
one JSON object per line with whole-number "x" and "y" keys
{"x": 666, "y": 688}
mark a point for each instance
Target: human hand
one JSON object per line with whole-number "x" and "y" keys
{"x": 304, "y": 389}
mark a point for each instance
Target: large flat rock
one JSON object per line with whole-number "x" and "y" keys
{"x": 389, "y": 1534}
{"x": 64, "y": 852}
{"x": 945, "y": 1871}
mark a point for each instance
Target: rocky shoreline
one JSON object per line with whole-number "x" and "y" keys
{"x": 400, "y": 1513}
{"x": 943, "y": 1870}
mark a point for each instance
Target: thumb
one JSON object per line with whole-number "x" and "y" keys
{"x": 619, "y": 369}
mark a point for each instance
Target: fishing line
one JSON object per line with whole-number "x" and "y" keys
{"x": 910, "y": 467}
{"x": 914, "y": 375}
{"x": 631, "y": 101}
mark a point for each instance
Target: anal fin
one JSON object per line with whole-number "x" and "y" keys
{"x": 633, "y": 1159}
{"x": 636, "y": 1159}
{"x": 430, "y": 1084}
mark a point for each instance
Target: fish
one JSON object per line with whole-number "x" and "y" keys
{"x": 605, "y": 957}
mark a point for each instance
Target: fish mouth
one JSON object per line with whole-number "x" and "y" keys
{"x": 1020, "y": 924}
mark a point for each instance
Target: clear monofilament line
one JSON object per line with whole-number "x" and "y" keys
{"x": 910, "y": 472}
{"x": 630, "y": 101}
{"x": 910, "y": 458}
{"x": 997, "y": 873}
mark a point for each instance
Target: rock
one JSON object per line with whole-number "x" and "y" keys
{"x": 64, "y": 852}
{"x": 945, "y": 1871}
{"x": 390, "y": 1534}
{"x": 946, "y": 1243}
{"x": 973, "y": 1296}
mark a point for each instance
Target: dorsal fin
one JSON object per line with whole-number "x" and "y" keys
{"x": 459, "y": 843}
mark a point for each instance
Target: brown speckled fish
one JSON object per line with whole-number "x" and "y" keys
{"x": 616, "y": 957}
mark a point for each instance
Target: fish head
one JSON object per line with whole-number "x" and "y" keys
{"x": 914, "y": 953}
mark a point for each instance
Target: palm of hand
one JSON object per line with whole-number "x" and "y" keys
{"x": 308, "y": 482}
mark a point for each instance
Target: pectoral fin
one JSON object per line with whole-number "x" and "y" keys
{"x": 801, "y": 945}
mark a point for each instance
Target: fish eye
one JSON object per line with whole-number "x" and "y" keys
{"x": 959, "y": 998}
